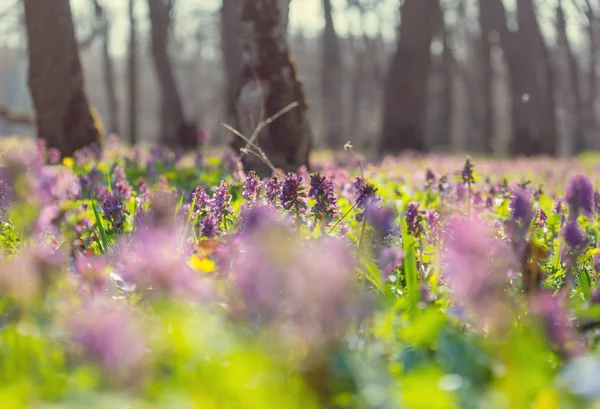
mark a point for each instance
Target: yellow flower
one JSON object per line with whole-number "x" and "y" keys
{"x": 201, "y": 264}
{"x": 68, "y": 161}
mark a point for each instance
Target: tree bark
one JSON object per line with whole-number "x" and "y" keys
{"x": 578, "y": 136}
{"x": 405, "y": 90}
{"x": 531, "y": 78}
{"x": 592, "y": 94}
{"x": 132, "y": 77}
{"x": 268, "y": 84}
{"x": 175, "y": 132}
{"x": 331, "y": 82}
{"x": 63, "y": 116}
{"x": 487, "y": 24}
{"x": 109, "y": 71}
{"x": 231, "y": 48}
{"x": 446, "y": 115}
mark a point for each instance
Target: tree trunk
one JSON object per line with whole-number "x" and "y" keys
{"x": 578, "y": 137}
{"x": 175, "y": 132}
{"x": 404, "y": 94}
{"x": 63, "y": 116}
{"x": 592, "y": 94}
{"x": 486, "y": 21}
{"x": 268, "y": 84}
{"x": 132, "y": 77}
{"x": 231, "y": 48}
{"x": 109, "y": 72}
{"x": 448, "y": 62}
{"x": 531, "y": 78}
{"x": 331, "y": 85}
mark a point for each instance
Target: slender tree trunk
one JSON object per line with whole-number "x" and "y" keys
{"x": 356, "y": 90}
{"x": 405, "y": 90}
{"x": 486, "y": 22}
{"x": 56, "y": 81}
{"x": 578, "y": 136}
{"x": 175, "y": 132}
{"x": 331, "y": 82}
{"x": 268, "y": 84}
{"x": 132, "y": 77}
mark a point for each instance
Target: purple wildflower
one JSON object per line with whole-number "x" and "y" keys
{"x": 366, "y": 195}
{"x": 53, "y": 156}
{"x": 208, "y": 226}
{"x": 520, "y": 206}
{"x": 542, "y": 218}
{"x": 467, "y": 173}
{"x": 252, "y": 187}
{"x": 574, "y": 236}
{"x": 109, "y": 334}
{"x": 414, "y": 219}
{"x": 323, "y": 191}
{"x": 580, "y": 195}
{"x": 202, "y": 199}
{"x": 220, "y": 203}
{"x": 114, "y": 211}
{"x": 293, "y": 196}
{"x": 273, "y": 190}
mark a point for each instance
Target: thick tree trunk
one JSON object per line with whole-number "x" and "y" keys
{"x": 405, "y": 90}
{"x": 331, "y": 82}
{"x": 132, "y": 77}
{"x": 268, "y": 84}
{"x": 175, "y": 132}
{"x": 56, "y": 81}
{"x": 531, "y": 78}
{"x": 578, "y": 136}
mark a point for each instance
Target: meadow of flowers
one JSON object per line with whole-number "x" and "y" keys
{"x": 141, "y": 278}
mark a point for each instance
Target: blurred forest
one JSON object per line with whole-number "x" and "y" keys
{"x": 517, "y": 77}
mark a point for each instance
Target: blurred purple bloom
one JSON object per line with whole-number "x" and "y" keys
{"x": 476, "y": 269}
{"x": 580, "y": 194}
{"x": 53, "y": 156}
{"x": 220, "y": 203}
{"x": 389, "y": 260}
{"x": 542, "y": 218}
{"x": 204, "y": 137}
{"x": 414, "y": 219}
{"x": 467, "y": 173}
{"x": 109, "y": 334}
{"x": 554, "y": 316}
{"x": 208, "y": 226}
{"x": 520, "y": 207}
{"x": 574, "y": 236}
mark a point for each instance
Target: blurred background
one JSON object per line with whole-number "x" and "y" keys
{"x": 512, "y": 77}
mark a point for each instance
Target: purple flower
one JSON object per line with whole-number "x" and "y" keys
{"x": 366, "y": 195}
{"x": 53, "y": 156}
{"x": 520, "y": 207}
{"x": 573, "y": 236}
{"x": 467, "y": 173}
{"x": 323, "y": 191}
{"x": 580, "y": 194}
{"x": 293, "y": 196}
{"x": 257, "y": 217}
{"x": 414, "y": 219}
{"x": 429, "y": 179}
{"x": 476, "y": 265}
{"x": 251, "y": 187}
{"x": 273, "y": 190}
{"x": 554, "y": 316}
{"x": 204, "y": 137}
{"x": 542, "y": 218}
{"x": 114, "y": 211}
{"x": 110, "y": 335}
{"x": 202, "y": 199}
{"x": 220, "y": 203}
{"x": 208, "y": 226}
{"x": 389, "y": 260}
